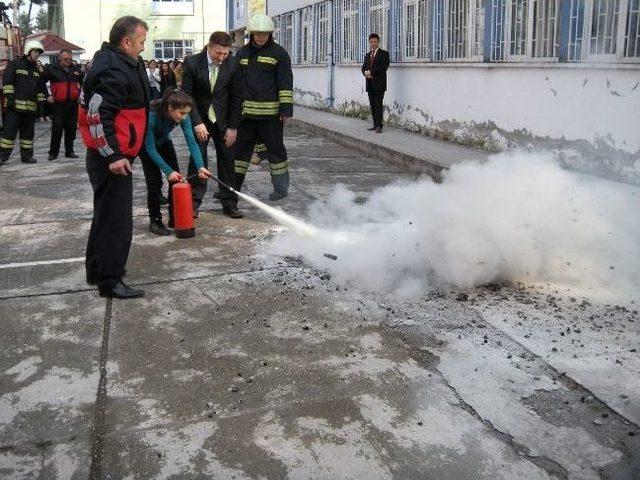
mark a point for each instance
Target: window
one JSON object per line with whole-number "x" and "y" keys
{"x": 171, "y": 49}
{"x": 321, "y": 21}
{"x": 350, "y": 34}
{"x": 415, "y": 33}
{"x": 604, "y": 30}
{"x": 305, "y": 36}
{"x": 286, "y": 32}
{"x": 632, "y": 34}
{"x": 524, "y": 29}
{"x": 378, "y": 15}
{"x": 604, "y": 27}
{"x": 172, "y": 7}
{"x": 458, "y": 29}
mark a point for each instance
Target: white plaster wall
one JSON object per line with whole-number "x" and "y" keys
{"x": 561, "y": 102}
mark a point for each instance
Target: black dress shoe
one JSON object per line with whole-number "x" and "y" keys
{"x": 29, "y": 160}
{"x": 52, "y": 157}
{"x": 232, "y": 212}
{"x": 71, "y": 155}
{"x": 121, "y": 291}
{"x": 372, "y": 129}
{"x": 379, "y": 130}
{"x": 157, "y": 227}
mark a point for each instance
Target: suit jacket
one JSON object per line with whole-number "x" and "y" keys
{"x": 379, "y": 70}
{"x": 227, "y": 93}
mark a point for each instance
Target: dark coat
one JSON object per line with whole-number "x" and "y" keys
{"x": 227, "y": 93}
{"x": 167, "y": 81}
{"x": 379, "y": 70}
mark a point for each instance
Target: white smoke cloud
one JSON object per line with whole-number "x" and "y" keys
{"x": 517, "y": 217}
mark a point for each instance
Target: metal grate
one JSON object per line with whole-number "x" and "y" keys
{"x": 518, "y": 27}
{"x": 497, "y": 30}
{"x": 478, "y": 25}
{"x": 378, "y": 14}
{"x": 423, "y": 29}
{"x": 632, "y": 32}
{"x": 604, "y": 27}
{"x": 545, "y": 28}
{"x": 457, "y": 26}
{"x": 350, "y": 35}
{"x": 321, "y": 20}
{"x": 410, "y": 33}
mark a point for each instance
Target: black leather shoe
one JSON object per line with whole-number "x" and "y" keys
{"x": 379, "y": 130}
{"x": 72, "y": 155}
{"x": 157, "y": 227}
{"x": 371, "y": 129}
{"x": 52, "y": 157}
{"x": 121, "y": 291}
{"x": 29, "y": 160}
{"x": 232, "y": 212}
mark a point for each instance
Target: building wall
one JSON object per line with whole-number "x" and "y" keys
{"x": 87, "y": 22}
{"x": 586, "y": 107}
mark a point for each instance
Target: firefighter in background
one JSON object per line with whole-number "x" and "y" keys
{"x": 268, "y": 93}
{"x": 25, "y": 93}
{"x": 65, "y": 80}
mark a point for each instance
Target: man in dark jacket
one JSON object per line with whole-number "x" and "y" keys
{"x": 268, "y": 103}
{"x": 113, "y": 118}
{"x": 212, "y": 78}
{"x": 25, "y": 93}
{"x": 65, "y": 80}
{"x": 374, "y": 68}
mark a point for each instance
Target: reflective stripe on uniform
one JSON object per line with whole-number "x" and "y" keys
{"x": 8, "y": 89}
{"x": 260, "y": 147}
{"x": 270, "y": 60}
{"x": 22, "y": 72}
{"x": 26, "y": 144}
{"x": 244, "y": 61}
{"x": 6, "y": 143}
{"x": 41, "y": 97}
{"x": 241, "y": 166}
{"x": 279, "y": 168}
{"x": 285, "y": 96}
{"x": 252, "y": 107}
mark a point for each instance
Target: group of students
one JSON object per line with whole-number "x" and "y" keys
{"x": 233, "y": 101}
{"x": 163, "y": 76}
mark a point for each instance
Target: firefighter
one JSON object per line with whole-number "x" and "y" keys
{"x": 65, "y": 80}
{"x": 25, "y": 93}
{"x": 268, "y": 103}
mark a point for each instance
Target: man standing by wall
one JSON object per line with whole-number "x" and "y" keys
{"x": 268, "y": 103}
{"x": 25, "y": 93}
{"x": 212, "y": 78}
{"x": 66, "y": 80}
{"x": 113, "y": 118}
{"x": 374, "y": 68}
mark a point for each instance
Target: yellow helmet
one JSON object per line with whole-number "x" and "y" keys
{"x": 260, "y": 22}
{"x": 33, "y": 45}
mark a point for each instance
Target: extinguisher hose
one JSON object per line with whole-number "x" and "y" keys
{"x": 214, "y": 178}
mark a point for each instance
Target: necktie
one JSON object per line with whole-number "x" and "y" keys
{"x": 213, "y": 76}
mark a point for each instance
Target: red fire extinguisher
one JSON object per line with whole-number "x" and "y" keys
{"x": 183, "y": 210}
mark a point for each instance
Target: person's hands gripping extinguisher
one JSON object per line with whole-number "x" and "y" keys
{"x": 203, "y": 173}
{"x": 175, "y": 177}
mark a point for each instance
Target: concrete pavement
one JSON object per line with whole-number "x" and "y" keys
{"x": 239, "y": 364}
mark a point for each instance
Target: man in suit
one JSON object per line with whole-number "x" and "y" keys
{"x": 213, "y": 78}
{"x": 374, "y": 68}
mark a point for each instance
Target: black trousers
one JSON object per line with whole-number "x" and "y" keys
{"x": 224, "y": 168}
{"x": 64, "y": 120}
{"x": 375, "y": 101}
{"x": 112, "y": 224}
{"x": 153, "y": 178}
{"x": 271, "y": 133}
{"x": 18, "y": 122}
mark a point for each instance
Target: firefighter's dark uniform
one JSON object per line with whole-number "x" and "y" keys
{"x": 268, "y": 94}
{"x": 65, "y": 90}
{"x": 25, "y": 93}
{"x": 112, "y": 117}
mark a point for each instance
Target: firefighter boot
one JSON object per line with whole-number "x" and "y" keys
{"x": 280, "y": 186}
